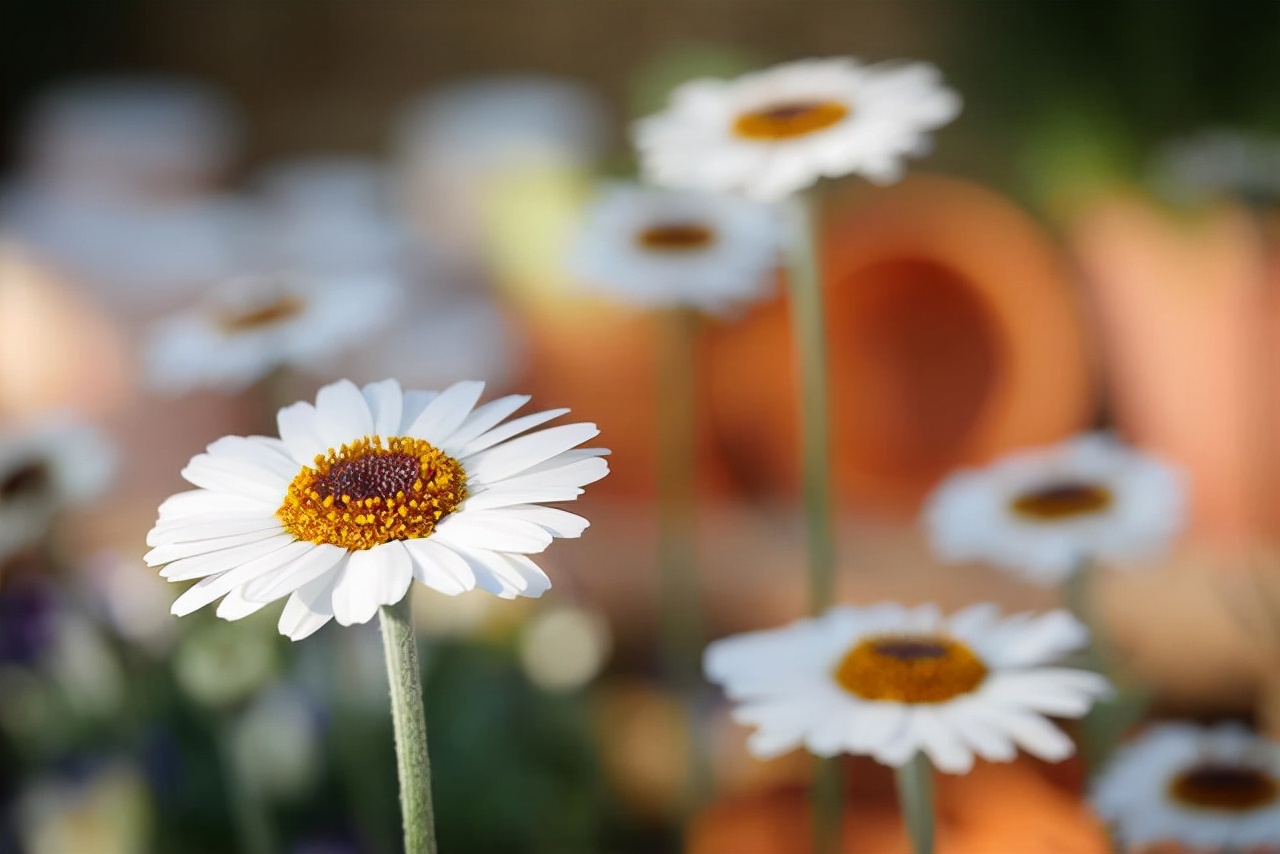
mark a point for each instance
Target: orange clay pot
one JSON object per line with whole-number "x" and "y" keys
{"x": 1190, "y": 319}
{"x": 993, "y": 809}
{"x": 953, "y": 336}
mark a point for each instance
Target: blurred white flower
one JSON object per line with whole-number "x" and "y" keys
{"x": 220, "y": 665}
{"x": 770, "y": 133}
{"x": 1043, "y": 513}
{"x": 1220, "y": 163}
{"x": 655, "y": 248}
{"x": 246, "y": 327}
{"x": 889, "y": 681}
{"x": 45, "y": 468}
{"x": 276, "y": 743}
{"x": 106, "y": 810}
{"x": 364, "y": 492}
{"x": 83, "y": 667}
{"x": 1216, "y": 787}
{"x": 564, "y": 648}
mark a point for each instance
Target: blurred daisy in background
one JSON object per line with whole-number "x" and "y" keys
{"x": 367, "y": 490}
{"x": 1217, "y": 787}
{"x": 664, "y": 248}
{"x": 1044, "y": 513}
{"x": 45, "y": 468}
{"x": 248, "y": 326}
{"x": 1220, "y": 163}
{"x": 890, "y": 681}
{"x": 770, "y": 133}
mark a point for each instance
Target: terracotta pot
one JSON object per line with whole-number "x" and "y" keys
{"x": 953, "y": 336}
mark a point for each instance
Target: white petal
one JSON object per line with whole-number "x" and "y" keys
{"x": 506, "y": 431}
{"x": 386, "y": 403}
{"x": 174, "y": 551}
{"x": 227, "y": 474}
{"x": 307, "y": 566}
{"x": 199, "y": 502}
{"x": 235, "y": 607}
{"x": 439, "y": 567}
{"x": 1031, "y": 731}
{"x": 491, "y": 529}
{"x": 297, "y": 621}
{"x": 414, "y": 402}
{"x": 525, "y": 452}
{"x": 504, "y": 575}
{"x": 342, "y": 414}
{"x": 212, "y": 587}
{"x": 939, "y": 739}
{"x": 211, "y": 527}
{"x": 367, "y": 580}
{"x": 300, "y": 431}
{"x": 557, "y": 522}
{"x": 222, "y": 560}
{"x": 579, "y": 473}
{"x": 502, "y": 495}
{"x": 264, "y": 452}
{"x": 484, "y": 418}
{"x": 447, "y": 412}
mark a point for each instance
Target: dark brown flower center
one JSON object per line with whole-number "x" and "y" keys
{"x": 283, "y": 308}
{"x": 789, "y": 120}
{"x": 1063, "y": 500}
{"x": 910, "y": 669}
{"x": 26, "y": 480}
{"x": 1225, "y": 787}
{"x": 676, "y": 237}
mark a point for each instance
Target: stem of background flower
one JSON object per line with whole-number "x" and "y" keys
{"x": 410, "y": 723}
{"x": 915, "y": 799}
{"x": 248, "y": 808}
{"x": 809, "y": 332}
{"x": 677, "y": 533}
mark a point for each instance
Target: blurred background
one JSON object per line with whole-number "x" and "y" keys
{"x": 1069, "y": 257}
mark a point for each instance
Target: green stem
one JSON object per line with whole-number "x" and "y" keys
{"x": 410, "y": 723}
{"x": 915, "y": 799}
{"x": 677, "y": 532}
{"x": 809, "y": 332}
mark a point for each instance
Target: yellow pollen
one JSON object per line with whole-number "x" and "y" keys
{"x": 910, "y": 669}
{"x": 370, "y": 492}
{"x": 285, "y": 307}
{"x": 676, "y": 237}
{"x": 1224, "y": 787}
{"x": 1064, "y": 500}
{"x": 788, "y": 121}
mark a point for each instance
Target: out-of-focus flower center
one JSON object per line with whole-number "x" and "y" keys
{"x": 284, "y": 307}
{"x": 676, "y": 237}
{"x": 910, "y": 669}
{"x": 1224, "y": 787}
{"x": 1063, "y": 500}
{"x": 789, "y": 120}
{"x": 26, "y": 480}
{"x": 370, "y": 492}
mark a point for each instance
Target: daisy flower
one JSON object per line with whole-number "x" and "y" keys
{"x": 657, "y": 248}
{"x": 43, "y": 469}
{"x": 1043, "y": 513}
{"x": 1217, "y": 787}
{"x": 250, "y": 325}
{"x": 367, "y": 490}
{"x": 771, "y": 133}
{"x": 889, "y": 681}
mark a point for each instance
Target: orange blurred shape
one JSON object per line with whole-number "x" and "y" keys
{"x": 56, "y": 350}
{"x": 953, "y": 336}
{"x": 1179, "y": 300}
{"x": 996, "y": 808}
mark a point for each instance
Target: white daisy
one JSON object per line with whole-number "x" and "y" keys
{"x": 670, "y": 247}
{"x": 1217, "y": 787}
{"x": 889, "y": 681}
{"x": 250, "y": 325}
{"x": 1042, "y": 513}
{"x": 770, "y": 133}
{"x": 367, "y": 490}
{"x": 43, "y": 469}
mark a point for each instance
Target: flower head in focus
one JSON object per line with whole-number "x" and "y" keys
{"x": 44, "y": 468}
{"x": 250, "y": 325}
{"x": 1043, "y": 513}
{"x": 889, "y": 681}
{"x": 654, "y": 248}
{"x": 367, "y": 490}
{"x": 773, "y": 132}
{"x": 1216, "y": 787}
